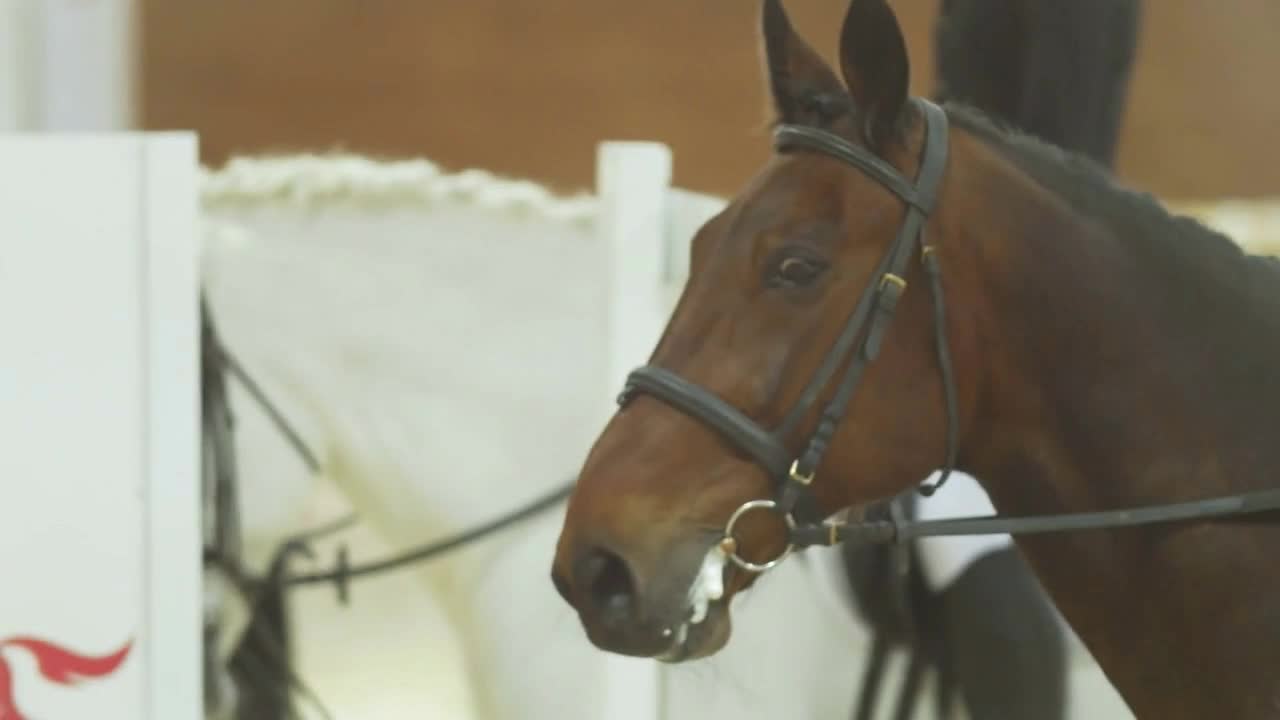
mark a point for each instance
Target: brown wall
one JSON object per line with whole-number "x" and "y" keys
{"x": 527, "y": 87}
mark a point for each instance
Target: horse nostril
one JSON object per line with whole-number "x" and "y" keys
{"x": 608, "y": 584}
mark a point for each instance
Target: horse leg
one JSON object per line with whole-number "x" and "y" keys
{"x": 885, "y": 585}
{"x": 1005, "y": 644}
{"x": 872, "y": 675}
{"x": 911, "y": 686}
{"x": 945, "y": 696}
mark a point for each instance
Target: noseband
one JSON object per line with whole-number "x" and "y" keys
{"x": 793, "y": 475}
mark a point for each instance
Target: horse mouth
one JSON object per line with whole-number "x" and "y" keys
{"x": 704, "y": 631}
{"x": 704, "y": 628}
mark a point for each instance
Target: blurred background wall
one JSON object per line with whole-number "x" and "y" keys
{"x": 527, "y": 87}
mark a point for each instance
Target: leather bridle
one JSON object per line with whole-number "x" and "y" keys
{"x": 793, "y": 475}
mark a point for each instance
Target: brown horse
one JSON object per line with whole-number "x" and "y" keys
{"x": 1095, "y": 353}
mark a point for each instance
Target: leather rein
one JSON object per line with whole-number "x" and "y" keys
{"x": 793, "y": 475}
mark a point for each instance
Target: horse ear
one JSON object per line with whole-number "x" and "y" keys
{"x": 804, "y": 88}
{"x": 873, "y": 60}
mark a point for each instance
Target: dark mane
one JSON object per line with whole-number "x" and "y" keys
{"x": 1205, "y": 264}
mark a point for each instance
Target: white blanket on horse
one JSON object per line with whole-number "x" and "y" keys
{"x": 944, "y": 558}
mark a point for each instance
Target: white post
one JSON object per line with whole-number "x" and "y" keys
{"x": 99, "y": 415}
{"x": 175, "y": 537}
{"x": 687, "y": 212}
{"x": 84, "y": 67}
{"x": 18, "y": 66}
{"x": 632, "y": 180}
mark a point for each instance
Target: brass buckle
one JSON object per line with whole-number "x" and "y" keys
{"x": 795, "y": 474}
{"x": 888, "y": 278}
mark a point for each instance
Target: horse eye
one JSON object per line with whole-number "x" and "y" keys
{"x": 796, "y": 271}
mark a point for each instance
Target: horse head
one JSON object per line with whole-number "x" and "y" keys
{"x": 791, "y": 293}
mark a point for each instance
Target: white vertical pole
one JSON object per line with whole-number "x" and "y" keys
{"x": 86, "y": 61}
{"x": 632, "y": 179}
{"x": 18, "y": 67}
{"x": 171, "y": 287}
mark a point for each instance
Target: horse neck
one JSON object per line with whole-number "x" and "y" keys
{"x": 423, "y": 423}
{"x": 1149, "y": 383}
{"x": 1095, "y": 389}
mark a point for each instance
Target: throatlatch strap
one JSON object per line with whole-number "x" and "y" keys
{"x": 929, "y": 257}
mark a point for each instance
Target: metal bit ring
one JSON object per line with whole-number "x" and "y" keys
{"x": 728, "y": 536}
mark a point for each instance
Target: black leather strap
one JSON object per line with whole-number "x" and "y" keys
{"x": 788, "y": 137}
{"x": 693, "y": 399}
{"x": 890, "y": 285}
{"x": 895, "y": 259}
{"x": 839, "y": 351}
{"x": 882, "y": 531}
{"x": 929, "y": 257}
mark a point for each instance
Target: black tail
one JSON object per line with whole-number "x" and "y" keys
{"x": 262, "y": 664}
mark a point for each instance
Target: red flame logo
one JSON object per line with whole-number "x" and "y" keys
{"x": 56, "y": 665}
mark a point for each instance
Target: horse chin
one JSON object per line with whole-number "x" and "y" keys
{"x": 697, "y": 640}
